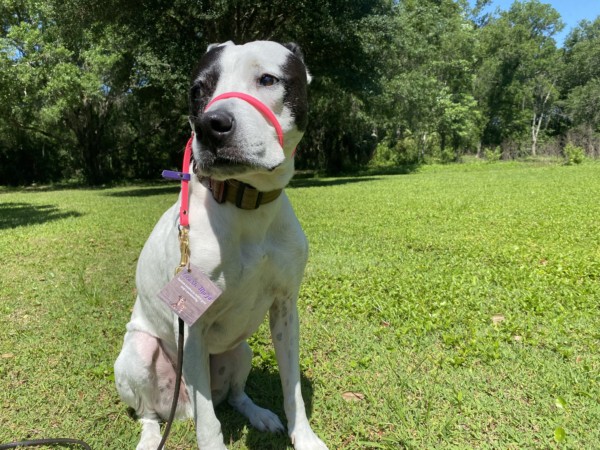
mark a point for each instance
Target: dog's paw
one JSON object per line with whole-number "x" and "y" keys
{"x": 306, "y": 439}
{"x": 150, "y": 435}
{"x": 264, "y": 420}
{"x": 149, "y": 444}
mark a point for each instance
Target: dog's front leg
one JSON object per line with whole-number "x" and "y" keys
{"x": 196, "y": 370}
{"x": 284, "y": 323}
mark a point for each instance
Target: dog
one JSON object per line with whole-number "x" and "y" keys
{"x": 252, "y": 247}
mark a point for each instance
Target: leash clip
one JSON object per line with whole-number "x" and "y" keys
{"x": 184, "y": 248}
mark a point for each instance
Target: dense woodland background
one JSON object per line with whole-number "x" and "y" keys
{"x": 96, "y": 90}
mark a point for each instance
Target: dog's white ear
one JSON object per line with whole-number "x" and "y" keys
{"x": 211, "y": 46}
{"x": 297, "y": 51}
{"x": 308, "y": 77}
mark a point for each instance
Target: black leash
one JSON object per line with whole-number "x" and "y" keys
{"x": 70, "y": 442}
{"x": 177, "y": 386}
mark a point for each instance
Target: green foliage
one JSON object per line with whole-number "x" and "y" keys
{"x": 73, "y": 91}
{"x": 573, "y": 154}
{"x": 344, "y": 140}
{"x": 427, "y": 76}
{"x": 518, "y": 74}
{"x": 401, "y": 152}
{"x": 492, "y": 154}
{"x": 108, "y": 91}
{"x": 92, "y": 95}
{"x": 383, "y": 156}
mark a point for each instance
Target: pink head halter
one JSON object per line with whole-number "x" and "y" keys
{"x": 264, "y": 109}
{"x": 185, "y": 177}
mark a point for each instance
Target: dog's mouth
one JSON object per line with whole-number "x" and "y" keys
{"x": 231, "y": 161}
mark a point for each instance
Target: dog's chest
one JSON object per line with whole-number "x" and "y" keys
{"x": 252, "y": 273}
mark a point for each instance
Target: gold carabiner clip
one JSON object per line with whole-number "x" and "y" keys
{"x": 184, "y": 248}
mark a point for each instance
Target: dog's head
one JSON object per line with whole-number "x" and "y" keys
{"x": 234, "y": 139}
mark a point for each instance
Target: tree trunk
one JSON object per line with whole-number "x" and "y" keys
{"x": 536, "y": 123}
{"x": 88, "y": 125}
{"x": 533, "y": 136}
{"x": 423, "y": 143}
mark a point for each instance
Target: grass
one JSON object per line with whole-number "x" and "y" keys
{"x": 454, "y": 307}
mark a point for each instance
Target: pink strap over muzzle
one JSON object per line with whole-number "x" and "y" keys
{"x": 184, "y": 175}
{"x": 264, "y": 109}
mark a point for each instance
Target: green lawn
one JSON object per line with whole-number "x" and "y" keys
{"x": 454, "y": 307}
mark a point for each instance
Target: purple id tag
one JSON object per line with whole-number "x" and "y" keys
{"x": 189, "y": 294}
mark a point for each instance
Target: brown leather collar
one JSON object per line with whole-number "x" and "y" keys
{"x": 240, "y": 194}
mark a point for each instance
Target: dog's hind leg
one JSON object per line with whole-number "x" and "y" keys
{"x": 229, "y": 371}
{"x": 145, "y": 380}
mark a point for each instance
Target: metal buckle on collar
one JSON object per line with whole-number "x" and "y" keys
{"x": 218, "y": 189}
{"x": 245, "y": 192}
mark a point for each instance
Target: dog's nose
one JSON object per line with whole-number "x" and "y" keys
{"x": 216, "y": 126}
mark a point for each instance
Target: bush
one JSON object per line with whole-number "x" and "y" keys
{"x": 383, "y": 156}
{"x": 401, "y": 152}
{"x": 492, "y": 154}
{"x": 407, "y": 151}
{"x": 573, "y": 154}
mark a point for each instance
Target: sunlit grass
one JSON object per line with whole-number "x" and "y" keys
{"x": 457, "y": 303}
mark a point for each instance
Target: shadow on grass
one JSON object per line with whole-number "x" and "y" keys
{"x": 17, "y": 214}
{"x": 147, "y": 192}
{"x": 402, "y": 169}
{"x": 301, "y": 180}
{"x": 264, "y": 388}
{"x": 295, "y": 183}
{"x": 322, "y": 182}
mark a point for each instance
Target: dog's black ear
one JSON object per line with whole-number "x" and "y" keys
{"x": 295, "y": 49}
{"x": 297, "y": 52}
{"x": 212, "y": 46}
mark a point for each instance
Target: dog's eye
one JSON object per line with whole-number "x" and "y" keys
{"x": 267, "y": 80}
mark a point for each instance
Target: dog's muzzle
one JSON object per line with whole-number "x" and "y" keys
{"x": 217, "y": 126}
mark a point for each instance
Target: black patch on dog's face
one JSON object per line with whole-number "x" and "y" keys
{"x": 295, "y": 89}
{"x": 204, "y": 81}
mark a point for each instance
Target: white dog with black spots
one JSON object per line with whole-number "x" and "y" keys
{"x": 256, "y": 257}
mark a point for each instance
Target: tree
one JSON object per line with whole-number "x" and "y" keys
{"x": 518, "y": 71}
{"x": 98, "y": 90}
{"x": 73, "y": 84}
{"x": 111, "y": 78}
{"x": 581, "y": 84}
{"x": 426, "y": 74}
